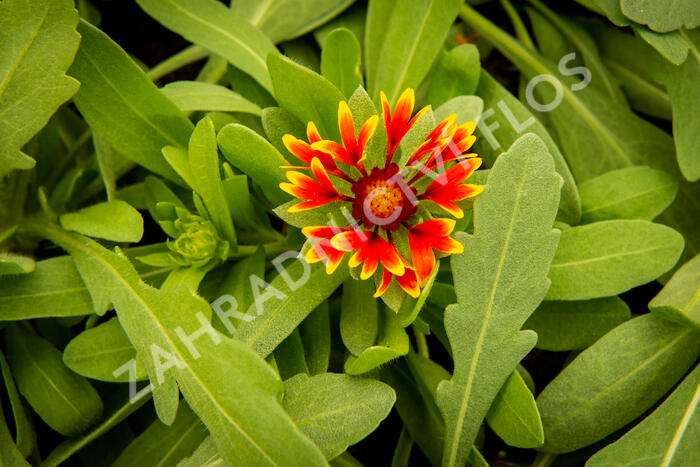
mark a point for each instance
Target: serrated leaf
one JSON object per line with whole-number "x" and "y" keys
{"x": 150, "y": 318}
{"x": 197, "y": 95}
{"x": 596, "y": 395}
{"x": 39, "y": 43}
{"x": 112, "y": 220}
{"x": 98, "y": 352}
{"x": 214, "y": 26}
{"x": 666, "y": 437}
{"x": 395, "y": 60}
{"x": 123, "y": 106}
{"x": 610, "y": 257}
{"x": 307, "y": 95}
{"x": 629, "y": 193}
{"x": 161, "y": 445}
{"x": 663, "y": 17}
{"x": 679, "y": 299}
{"x": 456, "y": 74}
{"x": 509, "y": 255}
{"x": 238, "y": 142}
{"x": 336, "y": 410}
{"x": 340, "y": 61}
{"x": 64, "y": 400}
{"x": 514, "y": 416}
{"x": 576, "y": 325}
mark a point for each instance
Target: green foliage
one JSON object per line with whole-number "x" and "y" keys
{"x": 456, "y": 74}
{"x": 193, "y": 95}
{"x": 113, "y": 220}
{"x": 340, "y": 61}
{"x": 678, "y": 300}
{"x": 684, "y": 13}
{"x": 512, "y": 220}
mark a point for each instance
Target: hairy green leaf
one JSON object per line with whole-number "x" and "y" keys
{"x": 359, "y": 316}
{"x": 610, "y": 257}
{"x": 509, "y": 254}
{"x": 456, "y": 74}
{"x": 663, "y": 17}
{"x": 679, "y": 300}
{"x": 596, "y": 394}
{"x": 340, "y": 61}
{"x": 39, "y": 43}
{"x": 392, "y": 343}
{"x": 112, "y": 220}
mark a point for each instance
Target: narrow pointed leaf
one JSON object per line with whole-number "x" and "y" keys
{"x": 196, "y": 95}
{"x": 340, "y": 61}
{"x": 679, "y": 300}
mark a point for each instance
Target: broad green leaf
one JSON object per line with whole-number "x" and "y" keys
{"x": 204, "y": 164}
{"x": 151, "y": 318}
{"x": 615, "y": 381}
{"x": 414, "y": 33}
{"x": 392, "y": 343}
{"x": 610, "y": 257}
{"x": 683, "y": 90}
{"x": 576, "y": 325}
{"x": 667, "y": 437}
{"x": 336, "y": 410}
{"x": 340, "y": 61}
{"x": 98, "y": 352}
{"x": 214, "y": 26}
{"x": 307, "y": 95}
{"x": 9, "y": 453}
{"x": 663, "y": 17}
{"x": 123, "y": 106}
{"x": 467, "y": 109}
{"x": 15, "y": 264}
{"x": 284, "y": 303}
{"x": 362, "y": 108}
{"x": 24, "y": 430}
{"x": 283, "y": 20}
{"x": 53, "y": 289}
{"x": 673, "y": 46}
{"x": 315, "y": 333}
{"x": 359, "y": 315}
{"x": 290, "y": 357}
{"x": 629, "y": 193}
{"x": 64, "y": 400}
{"x": 162, "y": 445}
{"x": 39, "y": 43}
{"x": 587, "y": 124}
{"x": 205, "y": 454}
{"x": 456, "y": 74}
{"x": 112, "y": 220}
{"x": 353, "y": 19}
{"x": 237, "y": 143}
{"x": 514, "y": 416}
{"x": 679, "y": 299}
{"x": 196, "y": 95}
{"x": 509, "y": 255}
{"x": 319, "y": 216}
{"x": 503, "y": 121}
{"x": 278, "y": 122}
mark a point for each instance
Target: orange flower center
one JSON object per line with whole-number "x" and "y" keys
{"x": 381, "y": 199}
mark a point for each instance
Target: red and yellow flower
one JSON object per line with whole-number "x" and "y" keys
{"x": 388, "y": 202}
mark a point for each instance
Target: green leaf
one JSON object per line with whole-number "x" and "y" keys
{"x": 467, "y": 109}
{"x": 285, "y": 302}
{"x": 509, "y": 255}
{"x": 39, "y": 44}
{"x": 112, "y": 220}
{"x": 596, "y": 395}
{"x": 456, "y": 74}
{"x": 24, "y": 430}
{"x": 151, "y": 317}
{"x": 340, "y": 61}
{"x": 353, "y": 19}
{"x": 514, "y": 416}
{"x": 359, "y": 315}
{"x": 206, "y": 175}
{"x": 238, "y": 142}
{"x": 315, "y": 333}
{"x": 336, "y": 410}
{"x": 98, "y": 352}
{"x": 307, "y": 95}
{"x": 667, "y": 437}
{"x": 629, "y": 193}
{"x": 575, "y": 325}
{"x": 161, "y": 445}
{"x": 64, "y": 400}
{"x": 196, "y": 95}
{"x": 673, "y": 46}
{"x": 15, "y": 264}
{"x": 663, "y": 17}
{"x": 414, "y": 31}
{"x": 283, "y": 20}
{"x": 123, "y": 106}
{"x": 53, "y": 289}
{"x": 290, "y": 357}
{"x": 505, "y": 123}
{"x": 610, "y": 257}
{"x": 9, "y": 453}
{"x": 392, "y": 343}
{"x": 205, "y": 454}
{"x": 678, "y": 300}
{"x": 278, "y": 122}
{"x": 215, "y": 27}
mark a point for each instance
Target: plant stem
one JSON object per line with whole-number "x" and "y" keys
{"x": 186, "y": 56}
{"x": 544, "y": 459}
{"x": 421, "y": 342}
{"x": 402, "y": 453}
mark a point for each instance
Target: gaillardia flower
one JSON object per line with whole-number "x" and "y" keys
{"x": 391, "y": 201}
